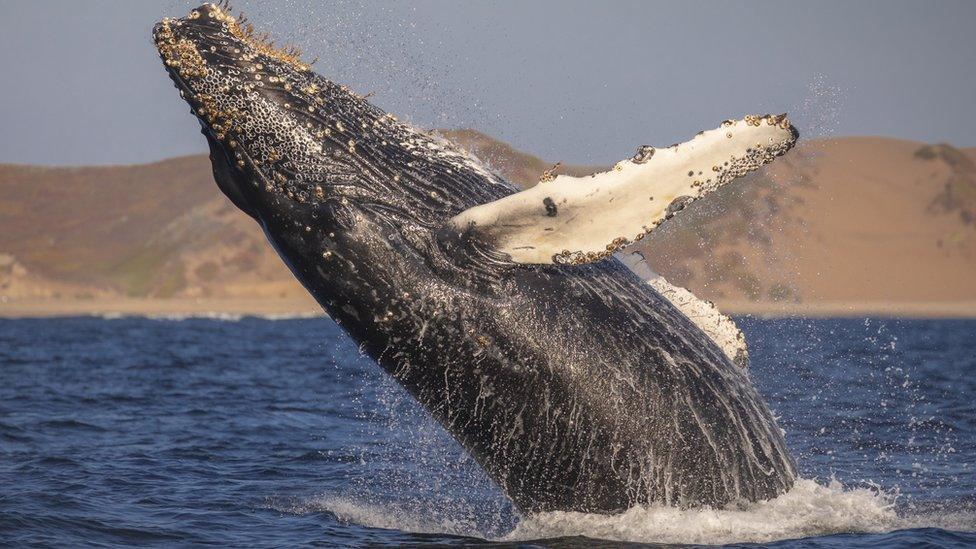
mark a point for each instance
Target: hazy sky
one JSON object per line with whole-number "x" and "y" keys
{"x": 581, "y": 82}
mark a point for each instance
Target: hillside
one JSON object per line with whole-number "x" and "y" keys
{"x": 853, "y": 219}
{"x": 840, "y": 225}
{"x": 159, "y": 230}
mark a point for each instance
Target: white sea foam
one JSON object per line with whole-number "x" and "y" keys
{"x": 810, "y": 509}
{"x": 406, "y": 517}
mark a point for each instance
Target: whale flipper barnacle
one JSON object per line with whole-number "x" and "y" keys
{"x": 599, "y": 214}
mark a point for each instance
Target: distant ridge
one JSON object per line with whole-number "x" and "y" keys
{"x": 847, "y": 220}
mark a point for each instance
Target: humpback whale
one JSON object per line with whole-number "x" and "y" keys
{"x": 574, "y": 382}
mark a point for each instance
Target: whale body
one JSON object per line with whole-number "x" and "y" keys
{"x": 575, "y": 383}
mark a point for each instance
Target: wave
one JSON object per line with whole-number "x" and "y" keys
{"x": 810, "y": 509}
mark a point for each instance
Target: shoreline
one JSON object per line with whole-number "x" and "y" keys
{"x": 852, "y": 309}
{"x": 216, "y": 307}
{"x": 305, "y": 306}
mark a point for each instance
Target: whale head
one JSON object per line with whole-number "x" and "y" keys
{"x": 262, "y": 111}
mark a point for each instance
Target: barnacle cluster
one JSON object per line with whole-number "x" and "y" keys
{"x": 180, "y": 54}
{"x": 244, "y": 31}
{"x": 550, "y": 174}
{"x": 778, "y": 120}
{"x": 221, "y": 120}
{"x": 567, "y": 257}
{"x": 643, "y": 154}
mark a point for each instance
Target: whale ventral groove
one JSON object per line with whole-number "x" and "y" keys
{"x": 573, "y": 382}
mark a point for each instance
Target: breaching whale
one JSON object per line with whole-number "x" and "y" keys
{"x": 574, "y": 382}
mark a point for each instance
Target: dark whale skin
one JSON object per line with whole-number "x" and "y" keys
{"x": 576, "y": 387}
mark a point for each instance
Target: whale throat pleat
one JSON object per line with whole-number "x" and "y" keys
{"x": 575, "y": 220}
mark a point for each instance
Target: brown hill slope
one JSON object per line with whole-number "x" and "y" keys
{"x": 841, "y": 221}
{"x": 157, "y": 230}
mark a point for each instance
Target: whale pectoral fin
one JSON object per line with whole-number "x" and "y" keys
{"x": 704, "y": 314}
{"x": 573, "y": 220}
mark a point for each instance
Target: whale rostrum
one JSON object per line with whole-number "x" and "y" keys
{"x": 574, "y": 382}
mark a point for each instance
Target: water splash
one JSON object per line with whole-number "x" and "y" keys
{"x": 810, "y": 509}
{"x": 391, "y": 516}
{"x": 820, "y": 112}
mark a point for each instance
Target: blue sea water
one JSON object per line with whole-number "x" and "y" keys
{"x": 255, "y": 432}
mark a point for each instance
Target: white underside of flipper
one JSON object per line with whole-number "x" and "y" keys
{"x": 703, "y": 314}
{"x": 573, "y": 220}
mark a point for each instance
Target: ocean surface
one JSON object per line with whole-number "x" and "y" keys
{"x": 258, "y": 432}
